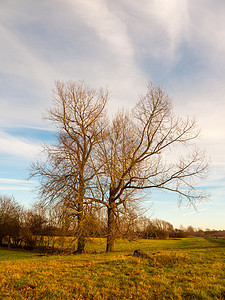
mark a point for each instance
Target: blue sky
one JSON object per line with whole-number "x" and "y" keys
{"x": 123, "y": 45}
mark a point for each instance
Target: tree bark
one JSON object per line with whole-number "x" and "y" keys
{"x": 111, "y": 229}
{"x": 81, "y": 216}
{"x": 80, "y": 244}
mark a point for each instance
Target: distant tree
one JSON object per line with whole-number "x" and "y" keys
{"x": 67, "y": 173}
{"x": 181, "y": 232}
{"x": 199, "y": 232}
{"x": 95, "y": 223}
{"x": 37, "y": 219}
{"x": 142, "y": 226}
{"x": 38, "y": 226}
{"x": 157, "y": 228}
{"x": 127, "y": 221}
{"x": 10, "y": 220}
{"x": 160, "y": 229}
{"x": 190, "y": 231}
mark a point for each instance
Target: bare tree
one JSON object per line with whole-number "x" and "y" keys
{"x": 96, "y": 163}
{"x": 10, "y": 220}
{"x": 67, "y": 172}
{"x": 139, "y": 155}
{"x": 159, "y": 229}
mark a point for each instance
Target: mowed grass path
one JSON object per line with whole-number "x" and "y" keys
{"x": 179, "y": 269}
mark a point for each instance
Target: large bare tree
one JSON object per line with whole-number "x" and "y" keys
{"x": 97, "y": 163}
{"x": 141, "y": 153}
{"x": 67, "y": 171}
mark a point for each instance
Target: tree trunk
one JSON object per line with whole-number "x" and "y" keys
{"x": 111, "y": 229}
{"x": 81, "y": 234}
{"x": 80, "y": 244}
{"x": 81, "y": 216}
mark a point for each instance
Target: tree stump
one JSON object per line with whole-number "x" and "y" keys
{"x": 141, "y": 254}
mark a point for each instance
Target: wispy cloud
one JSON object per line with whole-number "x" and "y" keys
{"x": 172, "y": 20}
{"x": 117, "y": 67}
{"x": 15, "y": 181}
{"x": 18, "y": 147}
{"x": 108, "y": 27}
{"x": 15, "y": 188}
{"x": 195, "y": 212}
{"x": 8, "y": 184}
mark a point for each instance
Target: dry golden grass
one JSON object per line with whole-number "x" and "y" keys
{"x": 185, "y": 269}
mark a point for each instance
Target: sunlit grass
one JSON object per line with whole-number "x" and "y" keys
{"x": 99, "y": 244}
{"x": 179, "y": 269}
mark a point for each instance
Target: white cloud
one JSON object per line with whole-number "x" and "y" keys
{"x": 157, "y": 27}
{"x": 15, "y": 188}
{"x": 19, "y": 60}
{"x": 15, "y": 181}
{"x": 208, "y": 33}
{"x": 118, "y": 67}
{"x": 172, "y": 19}
{"x": 28, "y": 81}
{"x": 107, "y": 26}
{"x": 105, "y": 57}
{"x": 16, "y": 146}
{"x": 161, "y": 29}
{"x": 8, "y": 184}
{"x": 195, "y": 212}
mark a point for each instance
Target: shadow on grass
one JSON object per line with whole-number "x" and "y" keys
{"x": 216, "y": 242}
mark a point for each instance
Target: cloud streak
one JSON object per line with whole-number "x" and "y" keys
{"x": 19, "y": 147}
{"x": 107, "y": 26}
{"x": 9, "y": 184}
{"x": 15, "y": 181}
{"x": 15, "y": 188}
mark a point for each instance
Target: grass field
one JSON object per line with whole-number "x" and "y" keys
{"x": 192, "y": 268}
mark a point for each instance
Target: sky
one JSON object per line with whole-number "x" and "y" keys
{"x": 122, "y": 45}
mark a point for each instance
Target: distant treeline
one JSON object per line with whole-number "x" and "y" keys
{"x": 36, "y": 228}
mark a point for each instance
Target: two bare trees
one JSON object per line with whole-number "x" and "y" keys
{"x": 100, "y": 162}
